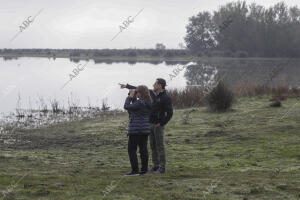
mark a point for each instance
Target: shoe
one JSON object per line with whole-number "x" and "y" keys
{"x": 154, "y": 169}
{"x": 161, "y": 170}
{"x": 132, "y": 174}
{"x": 143, "y": 173}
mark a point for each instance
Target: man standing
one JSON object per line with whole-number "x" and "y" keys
{"x": 161, "y": 113}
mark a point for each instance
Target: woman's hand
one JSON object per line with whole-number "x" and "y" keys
{"x": 131, "y": 93}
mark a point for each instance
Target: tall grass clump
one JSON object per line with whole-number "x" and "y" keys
{"x": 220, "y": 98}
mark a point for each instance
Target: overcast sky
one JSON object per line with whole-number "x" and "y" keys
{"x": 91, "y": 24}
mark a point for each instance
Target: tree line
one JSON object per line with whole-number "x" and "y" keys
{"x": 237, "y": 28}
{"x": 159, "y": 51}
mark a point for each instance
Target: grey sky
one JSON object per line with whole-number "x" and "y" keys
{"x": 91, "y": 24}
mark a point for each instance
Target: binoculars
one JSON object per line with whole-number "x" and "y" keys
{"x": 134, "y": 96}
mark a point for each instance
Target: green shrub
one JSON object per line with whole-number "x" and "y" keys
{"x": 132, "y": 54}
{"x": 241, "y": 54}
{"x": 220, "y": 98}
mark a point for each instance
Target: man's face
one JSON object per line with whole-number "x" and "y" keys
{"x": 156, "y": 86}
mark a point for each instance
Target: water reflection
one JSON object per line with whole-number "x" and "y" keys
{"x": 267, "y": 73}
{"x": 201, "y": 74}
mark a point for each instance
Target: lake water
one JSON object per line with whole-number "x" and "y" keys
{"x": 33, "y": 78}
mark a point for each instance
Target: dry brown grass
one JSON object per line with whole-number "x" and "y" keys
{"x": 185, "y": 98}
{"x": 279, "y": 91}
{"x": 195, "y": 96}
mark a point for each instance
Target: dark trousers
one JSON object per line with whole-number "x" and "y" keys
{"x": 157, "y": 144}
{"x": 133, "y": 142}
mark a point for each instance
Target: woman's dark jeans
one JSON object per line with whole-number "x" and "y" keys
{"x": 133, "y": 142}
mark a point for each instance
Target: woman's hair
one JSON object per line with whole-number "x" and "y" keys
{"x": 144, "y": 92}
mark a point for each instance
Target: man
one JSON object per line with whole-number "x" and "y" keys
{"x": 161, "y": 113}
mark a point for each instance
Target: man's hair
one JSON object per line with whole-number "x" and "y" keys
{"x": 162, "y": 82}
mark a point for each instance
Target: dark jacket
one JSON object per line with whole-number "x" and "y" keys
{"x": 162, "y": 110}
{"x": 139, "y": 116}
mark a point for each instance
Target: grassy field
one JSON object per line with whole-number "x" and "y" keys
{"x": 251, "y": 152}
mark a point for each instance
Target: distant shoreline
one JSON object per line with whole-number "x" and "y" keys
{"x": 140, "y": 58}
{"x": 134, "y": 55}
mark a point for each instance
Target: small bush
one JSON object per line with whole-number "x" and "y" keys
{"x": 74, "y": 54}
{"x": 276, "y": 104}
{"x": 155, "y": 53}
{"x": 132, "y": 54}
{"x": 199, "y": 54}
{"x": 217, "y": 53}
{"x": 220, "y": 98}
{"x": 208, "y": 53}
{"x": 169, "y": 54}
{"x": 228, "y": 53}
{"x": 241, "y": 54}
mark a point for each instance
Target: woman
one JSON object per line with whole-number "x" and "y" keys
{"x": 139, "y": 128}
